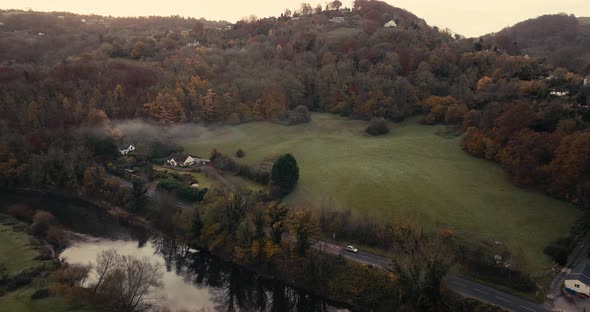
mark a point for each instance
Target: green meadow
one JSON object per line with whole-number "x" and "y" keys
{"x": 411, "y": 173}
{"x": 16, "y": 251}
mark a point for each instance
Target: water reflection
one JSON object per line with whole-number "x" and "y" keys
{"x": 195, "y": 281}
{"x": 192, "y": 281}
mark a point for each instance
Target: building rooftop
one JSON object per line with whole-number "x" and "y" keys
{"x": 581, "y": 272}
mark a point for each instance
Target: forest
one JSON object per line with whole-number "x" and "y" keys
{"x": 66, "y": 80}
{"x": 172, "y": 70}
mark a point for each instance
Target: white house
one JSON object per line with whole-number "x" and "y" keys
{"x": 41, "y": 34}
{"x": 391, "y": 23}
{"x": 337, "y": 19}
{"x": 186, "y": 161}
{"x": 579, "y": 279}
{"x": 83, "y": 20}
{"x": 126, "y": 151}
{"x": 193, "y": 44}
{"x": 587, "y": 81}
{"x": 559, "y": 93}
{"x": 189, "y": 161}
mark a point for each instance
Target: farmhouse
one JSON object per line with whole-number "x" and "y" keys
{"x": 184, "y": 160}
{"x": 579, "y": 279}
{"x": 126, "y": 150}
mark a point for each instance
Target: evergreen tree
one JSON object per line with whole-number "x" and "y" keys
{"x": 284, "y": 175}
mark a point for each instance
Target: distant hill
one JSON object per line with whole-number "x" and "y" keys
{"x": 563, "y": 39}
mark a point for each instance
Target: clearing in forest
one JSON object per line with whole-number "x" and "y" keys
{"x": 411, "y": 173}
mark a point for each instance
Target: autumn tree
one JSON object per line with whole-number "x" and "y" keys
{"x": 335, "y": 5}
{"x": 138, "y": 50}
{"x": 166, "y": 108}
{"x": 302, "y": 226}
{"x": 277, "y": 216}
{"x": 570, "y": 168}
{"x": 305, "y": 9}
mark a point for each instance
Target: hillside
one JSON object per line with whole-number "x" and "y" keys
{"x": 563, "y": 39}
{"x": 74, "y": 89}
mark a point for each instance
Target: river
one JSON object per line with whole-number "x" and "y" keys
{"x": 192, "y": 280}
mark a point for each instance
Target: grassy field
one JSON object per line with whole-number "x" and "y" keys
{"x": 16, "y": 251}
{"x": 410, "y": 172}
{"x": 20, "y": 301}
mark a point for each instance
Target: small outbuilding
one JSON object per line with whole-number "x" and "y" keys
{"x": 579, "y": 278}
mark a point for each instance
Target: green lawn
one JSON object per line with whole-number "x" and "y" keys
{"x": 16, "y": 251}
{"x": 20, "y": 301}
{"x": 410, "y": 172}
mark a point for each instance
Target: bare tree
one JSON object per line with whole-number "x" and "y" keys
{"x": 127, "y": 282}
{"x": 106, "y": 262}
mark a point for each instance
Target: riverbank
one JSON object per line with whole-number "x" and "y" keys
{"x": 127, "y": 219}
{"x": 343, "y": 283}
{"x": 26, "y": 262}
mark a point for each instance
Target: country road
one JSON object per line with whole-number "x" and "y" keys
{"x": 462, "y": 286}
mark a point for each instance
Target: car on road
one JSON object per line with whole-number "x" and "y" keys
{"x": 351, "y": 249}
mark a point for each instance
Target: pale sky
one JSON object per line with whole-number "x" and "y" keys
{"x": 467, "y": 17}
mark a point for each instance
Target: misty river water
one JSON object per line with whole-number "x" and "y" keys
{"x": 192, "y": 280}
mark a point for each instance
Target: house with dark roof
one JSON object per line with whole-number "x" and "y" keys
{"x": 579, "y": 278}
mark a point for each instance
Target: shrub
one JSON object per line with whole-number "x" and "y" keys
{"x": 183, "y": 191}
{"x": 240, "y": 153}
{"x": 377, "y": 126}
{"x": 20, "y": 212}
{"x": 299, "y": 115}
{"x": 559, "y": 250}
{"x": 41, "y": 222}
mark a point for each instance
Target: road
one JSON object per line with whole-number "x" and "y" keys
{"x": 580, "y": 252}
{"x": 490, "y": 295}
{"x": 462, "y": 286}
